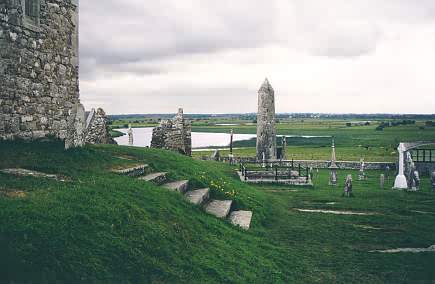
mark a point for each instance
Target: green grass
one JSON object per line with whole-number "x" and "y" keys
{"x": 101, "y": 226}
{"x": 115, "y": 133}
{"x": 353, "y": 143}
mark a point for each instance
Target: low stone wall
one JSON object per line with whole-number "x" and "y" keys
{"x": 318, "y": 164}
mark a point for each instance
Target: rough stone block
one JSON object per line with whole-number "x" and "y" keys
{"x": 180, "y": 186}
{"x": 241, "y": 218}
{"x": 219, "y": 208}
{"x": 198, "y": 196}
{"x": 157, "y": 178}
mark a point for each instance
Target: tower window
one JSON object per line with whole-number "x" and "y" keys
{"x": 31, "y": 11}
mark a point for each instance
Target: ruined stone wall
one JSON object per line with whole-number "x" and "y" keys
{"x": 174, "y": 135}
{"x": 266, "y": 131}
{"x": 38, "y": 68}
{"x": 97, "y": 131}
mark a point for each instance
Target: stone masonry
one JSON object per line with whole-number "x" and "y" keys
{"x": 39, "y": 68}
{"x": 174, "y": 135}
{"x": 97, "y": 131}
{"x": 266, "y": 131}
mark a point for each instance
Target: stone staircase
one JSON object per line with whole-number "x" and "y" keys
{"x": 201, "y": 197}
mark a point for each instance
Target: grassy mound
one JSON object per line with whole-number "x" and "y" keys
{"x": 97, "y": 225}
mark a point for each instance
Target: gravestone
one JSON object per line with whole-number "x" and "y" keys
{"x": 75, "y": 136}
{"x": 216, "y": 156}
{"x": 362, "y": 174}
{"x": 382, "y": 181}
{"x": 333, "y": 167}
{"x": 348, "y": 186}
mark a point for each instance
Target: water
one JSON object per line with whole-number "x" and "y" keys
{"x": 142, "y": 138}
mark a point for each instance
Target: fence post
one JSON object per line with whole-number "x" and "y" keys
{"x": 299, "y": 170}
{"x": 293, "y": 164}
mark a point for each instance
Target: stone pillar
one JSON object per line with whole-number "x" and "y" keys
{"x": 382, "y": 181}
{"x": 266, "y": 131}
{"x": 76, "y": 128}
{"x": 401, "y": 182}
{"x": 333, "y": 167}
{"x": 130, "y": 135}
{"x": 361, "y": 174}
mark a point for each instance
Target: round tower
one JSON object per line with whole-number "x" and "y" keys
{"x": 266, "y": 130}
{"x": 39, "y": 65}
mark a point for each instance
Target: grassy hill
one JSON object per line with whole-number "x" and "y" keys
{"x": 99, "y": 226}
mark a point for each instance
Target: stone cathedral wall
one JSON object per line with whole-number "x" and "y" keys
{"x": 39, "y": 65}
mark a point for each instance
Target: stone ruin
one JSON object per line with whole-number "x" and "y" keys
{"x": 39, "y": 68}
{"x": 266, "y": 131}
{"x": 174, "y": 134}
{"x": 97, "y": 131}
{"x": 39, "y": 74}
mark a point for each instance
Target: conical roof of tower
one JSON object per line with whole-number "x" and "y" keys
{"x": 266, "y": 86}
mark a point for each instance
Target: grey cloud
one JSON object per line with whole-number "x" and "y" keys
{"x": 132, "y": 31}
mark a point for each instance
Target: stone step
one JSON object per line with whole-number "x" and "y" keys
{"x": 219, "y": 208}
{"x": 241, "y": 218}
{"x": 198, "y": 196}
{"x": 180, "y": 186}
{"x": 157, "y": 178}
{"x": 136, "y": 171}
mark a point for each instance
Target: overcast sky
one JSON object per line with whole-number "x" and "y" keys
{"x": 208, "y": 56}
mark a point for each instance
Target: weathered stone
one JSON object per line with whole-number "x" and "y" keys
{"x": 216, "y": 156}
{"x": 241, "y": 218}
{"x": 157, "y": 178}
{"x": 133, "y": 171}
{"x": 333, "y": 167}
{"x": 28, "y": 47}
{"x": 180, "y": 186}
{"x": 30, "y": 173}
{"x": 97, "y": 130}
{"x": 198, "y": 196}
{"x": 266, "y": 131}
{"x": 174, "y": 135}
{"x": 348, "y": 186}
{"x": 130, "y": 136}
{"x": 76, "y": 128}
{"x": 382, "y": 181}
{"x": 219, "y": 208}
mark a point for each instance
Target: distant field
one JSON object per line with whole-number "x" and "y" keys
{"x": 353, "y": 142}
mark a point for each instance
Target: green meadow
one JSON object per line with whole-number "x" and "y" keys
{"x": 353, "y": 143}
{"x": 100, "y": 227}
